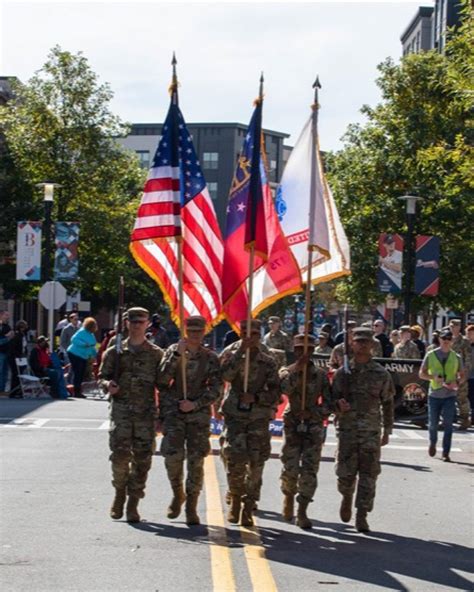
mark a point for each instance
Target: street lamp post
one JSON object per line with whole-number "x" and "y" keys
{"x": 410, "y": 201}
{"x": 47, "y": 267}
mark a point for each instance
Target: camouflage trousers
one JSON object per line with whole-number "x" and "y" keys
{"x": 187, "y": 439}
{"x": 131, "y": 441}
{"x": 246, "y": 447}
{"x": 358, "y": 455}
{"x": 300, "y": 455}
{"x": 463, "y": 402}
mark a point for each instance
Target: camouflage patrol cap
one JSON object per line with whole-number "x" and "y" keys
{"x": 137, "y": 313}
{"x": 362, "y": 334}
{"x": 351, "y": 324}
{"x": 455, "y": 321}
{"x": 255, "y": 325}
{"x": 195, "y": 323}
{"x": 298, "y": 341}
{"x": 274, "y": 319}
{"x": 405, "y": 328}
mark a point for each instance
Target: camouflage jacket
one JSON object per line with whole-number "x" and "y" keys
{"x": 263, "y": 383}
{"x": 408, "y": 351}
{"x": 337, "y": 356}
{"x": 139, "y": 371}
{"x": 319, "y": 401}
{"x": 370, "y": 391}
{"x": 203, "y": 381}
{"x": 322, "y": 350}
{"x": 462, "y": 346}
{"x": 278, "y": 340}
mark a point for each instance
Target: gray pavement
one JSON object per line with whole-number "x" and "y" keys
{"x": 56, "y": 534}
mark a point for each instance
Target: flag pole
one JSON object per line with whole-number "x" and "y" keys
{"x": 179, "y": 242}
{"x": 257, "y": 143}
{"x": 312, "y": 205}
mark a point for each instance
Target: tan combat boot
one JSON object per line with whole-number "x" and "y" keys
{"x": 192, "y": 518}
{"x": 288, "y": 507}
{"x": 174, "y": 509}
{"x": 132, "y": 509}
{"x": 233, "y": 515}
{"x": 247, "y": 510}
{"x": 345, "y": 511}
{"x": 302, "y": 519}
{"x": 361, "y": 521}
{"x": 116, "y": 511}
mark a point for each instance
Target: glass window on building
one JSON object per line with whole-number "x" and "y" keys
{"x": 212, "y": 188}
{"x": 210, "y": 160}
{"x": 144, "y": 158}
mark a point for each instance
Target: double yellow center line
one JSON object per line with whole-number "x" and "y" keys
{"x": 221, "y": 561}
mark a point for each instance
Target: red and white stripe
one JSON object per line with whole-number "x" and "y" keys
{"x": 160, "y": 223}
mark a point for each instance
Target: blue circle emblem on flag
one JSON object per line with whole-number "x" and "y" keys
{"x": 280, "y": 204}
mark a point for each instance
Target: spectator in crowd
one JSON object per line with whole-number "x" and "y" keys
{"x": 17, "y": 348}
{"x": 340, "y": 336}
{"x": 60, "y": 325}
{"x": 434, "y": 341}
{"x": 6, "y": 334}
{"x": 323, "y": 347}
{"x": 230, "y": 337}
{"x": 416, "y": 337}
{"x": 379, "y": 333}
{"x": 394, "y": 339}
{"x": 462, "y": 346}
{"x": 67, "y": 332}
{"x": 82, "y": 349}
{"x": 41, "y": 365}
{"x": 156, "y": 333}
{"x": 443, "y": 368}
{"x": 328, "y": 328}
{"x": 470, "y": 336}
{"x": 406, "y": 349}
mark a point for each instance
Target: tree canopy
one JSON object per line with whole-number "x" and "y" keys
{"x": 59, "y": 128}
{"x": 417, "y": 141}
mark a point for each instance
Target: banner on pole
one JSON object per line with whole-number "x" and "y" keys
{"x": 66, "y": 261}
{"x": 427, "y": 266}
{"x": 389, "y": 276}
{"x": 28, "y": 251}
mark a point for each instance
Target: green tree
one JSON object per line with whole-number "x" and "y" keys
{"x": 59, "y": 128}
{"x": 416, "y": 141}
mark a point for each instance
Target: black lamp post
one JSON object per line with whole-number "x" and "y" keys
{"x": 409, "y": 252}
{"x": 48, "y": 206}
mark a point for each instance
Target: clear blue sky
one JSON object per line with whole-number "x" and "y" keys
{"x": 221, "y": 49}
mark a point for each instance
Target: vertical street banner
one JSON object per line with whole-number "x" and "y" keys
{"x": 389, "y": 276}
{"x": 427, "y": 266}
{"x": 28, "y": 251}
{"x": 66, "y": 261}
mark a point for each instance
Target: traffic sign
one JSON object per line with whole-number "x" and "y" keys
{"x": 391, "y": 302}
{"x": 52, "y": 295}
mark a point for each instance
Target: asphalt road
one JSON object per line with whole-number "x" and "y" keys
{"x": 56, "y": 534}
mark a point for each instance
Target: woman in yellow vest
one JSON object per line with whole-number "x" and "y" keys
{"x": 443, "y": 368}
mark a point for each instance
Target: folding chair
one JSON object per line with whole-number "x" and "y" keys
{"x": 31, "y": 386}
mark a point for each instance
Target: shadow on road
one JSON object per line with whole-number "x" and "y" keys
{"x": 375, "y": 558}
{"x": 15, "y": 408}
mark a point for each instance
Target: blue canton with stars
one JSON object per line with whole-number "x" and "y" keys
{"x": 176, "y": 149}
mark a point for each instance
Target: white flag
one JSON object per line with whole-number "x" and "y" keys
{"x": 311, "y": 218}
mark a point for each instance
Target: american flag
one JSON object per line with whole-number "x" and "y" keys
{"x": 176, "y": 206}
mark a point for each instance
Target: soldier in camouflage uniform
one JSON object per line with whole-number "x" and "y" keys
{"x": 406, "y": 349}
{"x": 369, "y": 388}
{"x": 303, "y": 430}
{"x": 462, "y": 346}
{"x": 323, "y": 347}
{"x": 132, "y": 412}
{"x": 276, "y": 338}
{"x": 185, "y": 418}
{"x": 337, "y": 355}
{"x": 247, "y": 415}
